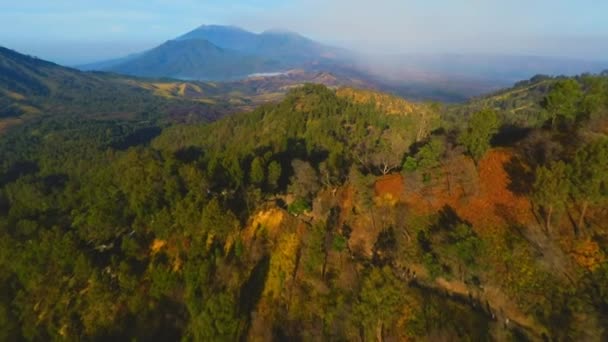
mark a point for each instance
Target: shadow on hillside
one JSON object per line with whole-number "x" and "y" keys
{"x": 508, "y": 135}
{"x": 448, "y": 219}
{"x": 139, "y": 137}
{"x": 521, "y": 178}
{"x": 385, "y": 247}
{"x": 189, "y": 154}
{"x": 17, "y": 170}
{"x": 251, "y": 291}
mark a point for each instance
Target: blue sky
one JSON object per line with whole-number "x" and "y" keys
{"x": 72, "y": 32}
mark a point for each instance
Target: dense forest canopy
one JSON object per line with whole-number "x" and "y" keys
{"x": 332, "y": 215}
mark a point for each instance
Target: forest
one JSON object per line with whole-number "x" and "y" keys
{"x": 333, "y": 215}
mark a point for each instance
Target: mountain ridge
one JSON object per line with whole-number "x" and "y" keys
{"x": 193, "y": 59}
{"x": 221, "y": 53}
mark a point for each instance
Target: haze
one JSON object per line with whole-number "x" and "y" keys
{"x": 72, "y": 32}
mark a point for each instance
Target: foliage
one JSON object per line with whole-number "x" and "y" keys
{"x": 299, "y": 206}
{"x": 480, "y": 129}
{"x": 551, "y": 188}
{"x": 305, "y": 181}
{"x": 589, "y": 174}
{"x": 107, "y": 234}
{"x": 274, "y": 174}
{"x": 563, "y": 100}
{"x": 217, "y": 321}
{"x": 256, "y": 174}
{"x": 379, "y": 301}
{"x": 466, "y": 243}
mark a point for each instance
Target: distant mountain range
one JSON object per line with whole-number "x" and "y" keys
{"x": 228, "y": 53}
{"x": 221, "y": 53}
{"x": 285, "y": 46}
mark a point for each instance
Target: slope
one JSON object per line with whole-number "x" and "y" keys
{"x": 193, "y": 59}
{"x": 282, "y": 218}
{"x": 32, "y": 88}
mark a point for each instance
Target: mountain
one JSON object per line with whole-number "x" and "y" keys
{"x": 228, "y": 37}
{"x": 286, "y": 46}
{"x": 229, "y": 53}
{"x": 223, "y": 53}
{"x": 193, "y": 59}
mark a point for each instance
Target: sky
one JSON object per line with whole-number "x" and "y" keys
{"x": 76, "y": 32}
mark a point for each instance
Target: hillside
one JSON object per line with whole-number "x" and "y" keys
{"x": 31, "y": 88}
{"x": 332, "y": 215}
{"x": 195, "y": 59}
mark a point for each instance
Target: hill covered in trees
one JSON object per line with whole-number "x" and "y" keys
{"x": 32, "y": 89}
{"x": 332, "y": 215}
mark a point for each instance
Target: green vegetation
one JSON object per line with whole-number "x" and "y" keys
{"x": 551, "y": 189}
{"x": 562, "y": 102}
{"x": 307, "y": 220}
{"x": 480, "y": 129}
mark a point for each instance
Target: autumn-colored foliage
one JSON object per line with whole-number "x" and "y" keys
{"x": 490, "y": 206}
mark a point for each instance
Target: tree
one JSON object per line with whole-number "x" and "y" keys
{"x": 217, "y": 321}
{"x": 562, "y": 101}
{"x": 429, "y": 156}
{"x": 389, "y": 151}
{"x": 596, "y": 95}
{"x": 305, "y": 181}
{"x": 233, "y": 169}
{"x": 466, "y": 243}
{"x": 551, "y": 189}
{"x": 480, "y": 129}
{"x": 256, "y": 175}
{"x": 218, "y": 221}
{"x": 379, "y": 302}
{"x": 274, "y": 174}
{"x": 589, "y": 176}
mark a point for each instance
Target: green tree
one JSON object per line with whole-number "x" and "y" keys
{"x": 274, "y": 174}
{"x": 379, "y": 302}
{"x": 256, "y": 175}
{"x": 589, "y": 176}
{"x": 217, "y": 220}
{"x": 217, "y": 321}
{"x": 562, "y": 101}
{"x": 551, "y": 188}
{"x": 480, "y": 129}
{"x": 595, "y": 100}
{"x": 234, "y": 170}
{"x": 465, "y": 243}
{"x": 429, "y": 156}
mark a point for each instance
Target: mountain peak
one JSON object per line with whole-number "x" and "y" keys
{"x": 214, "y": 27}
